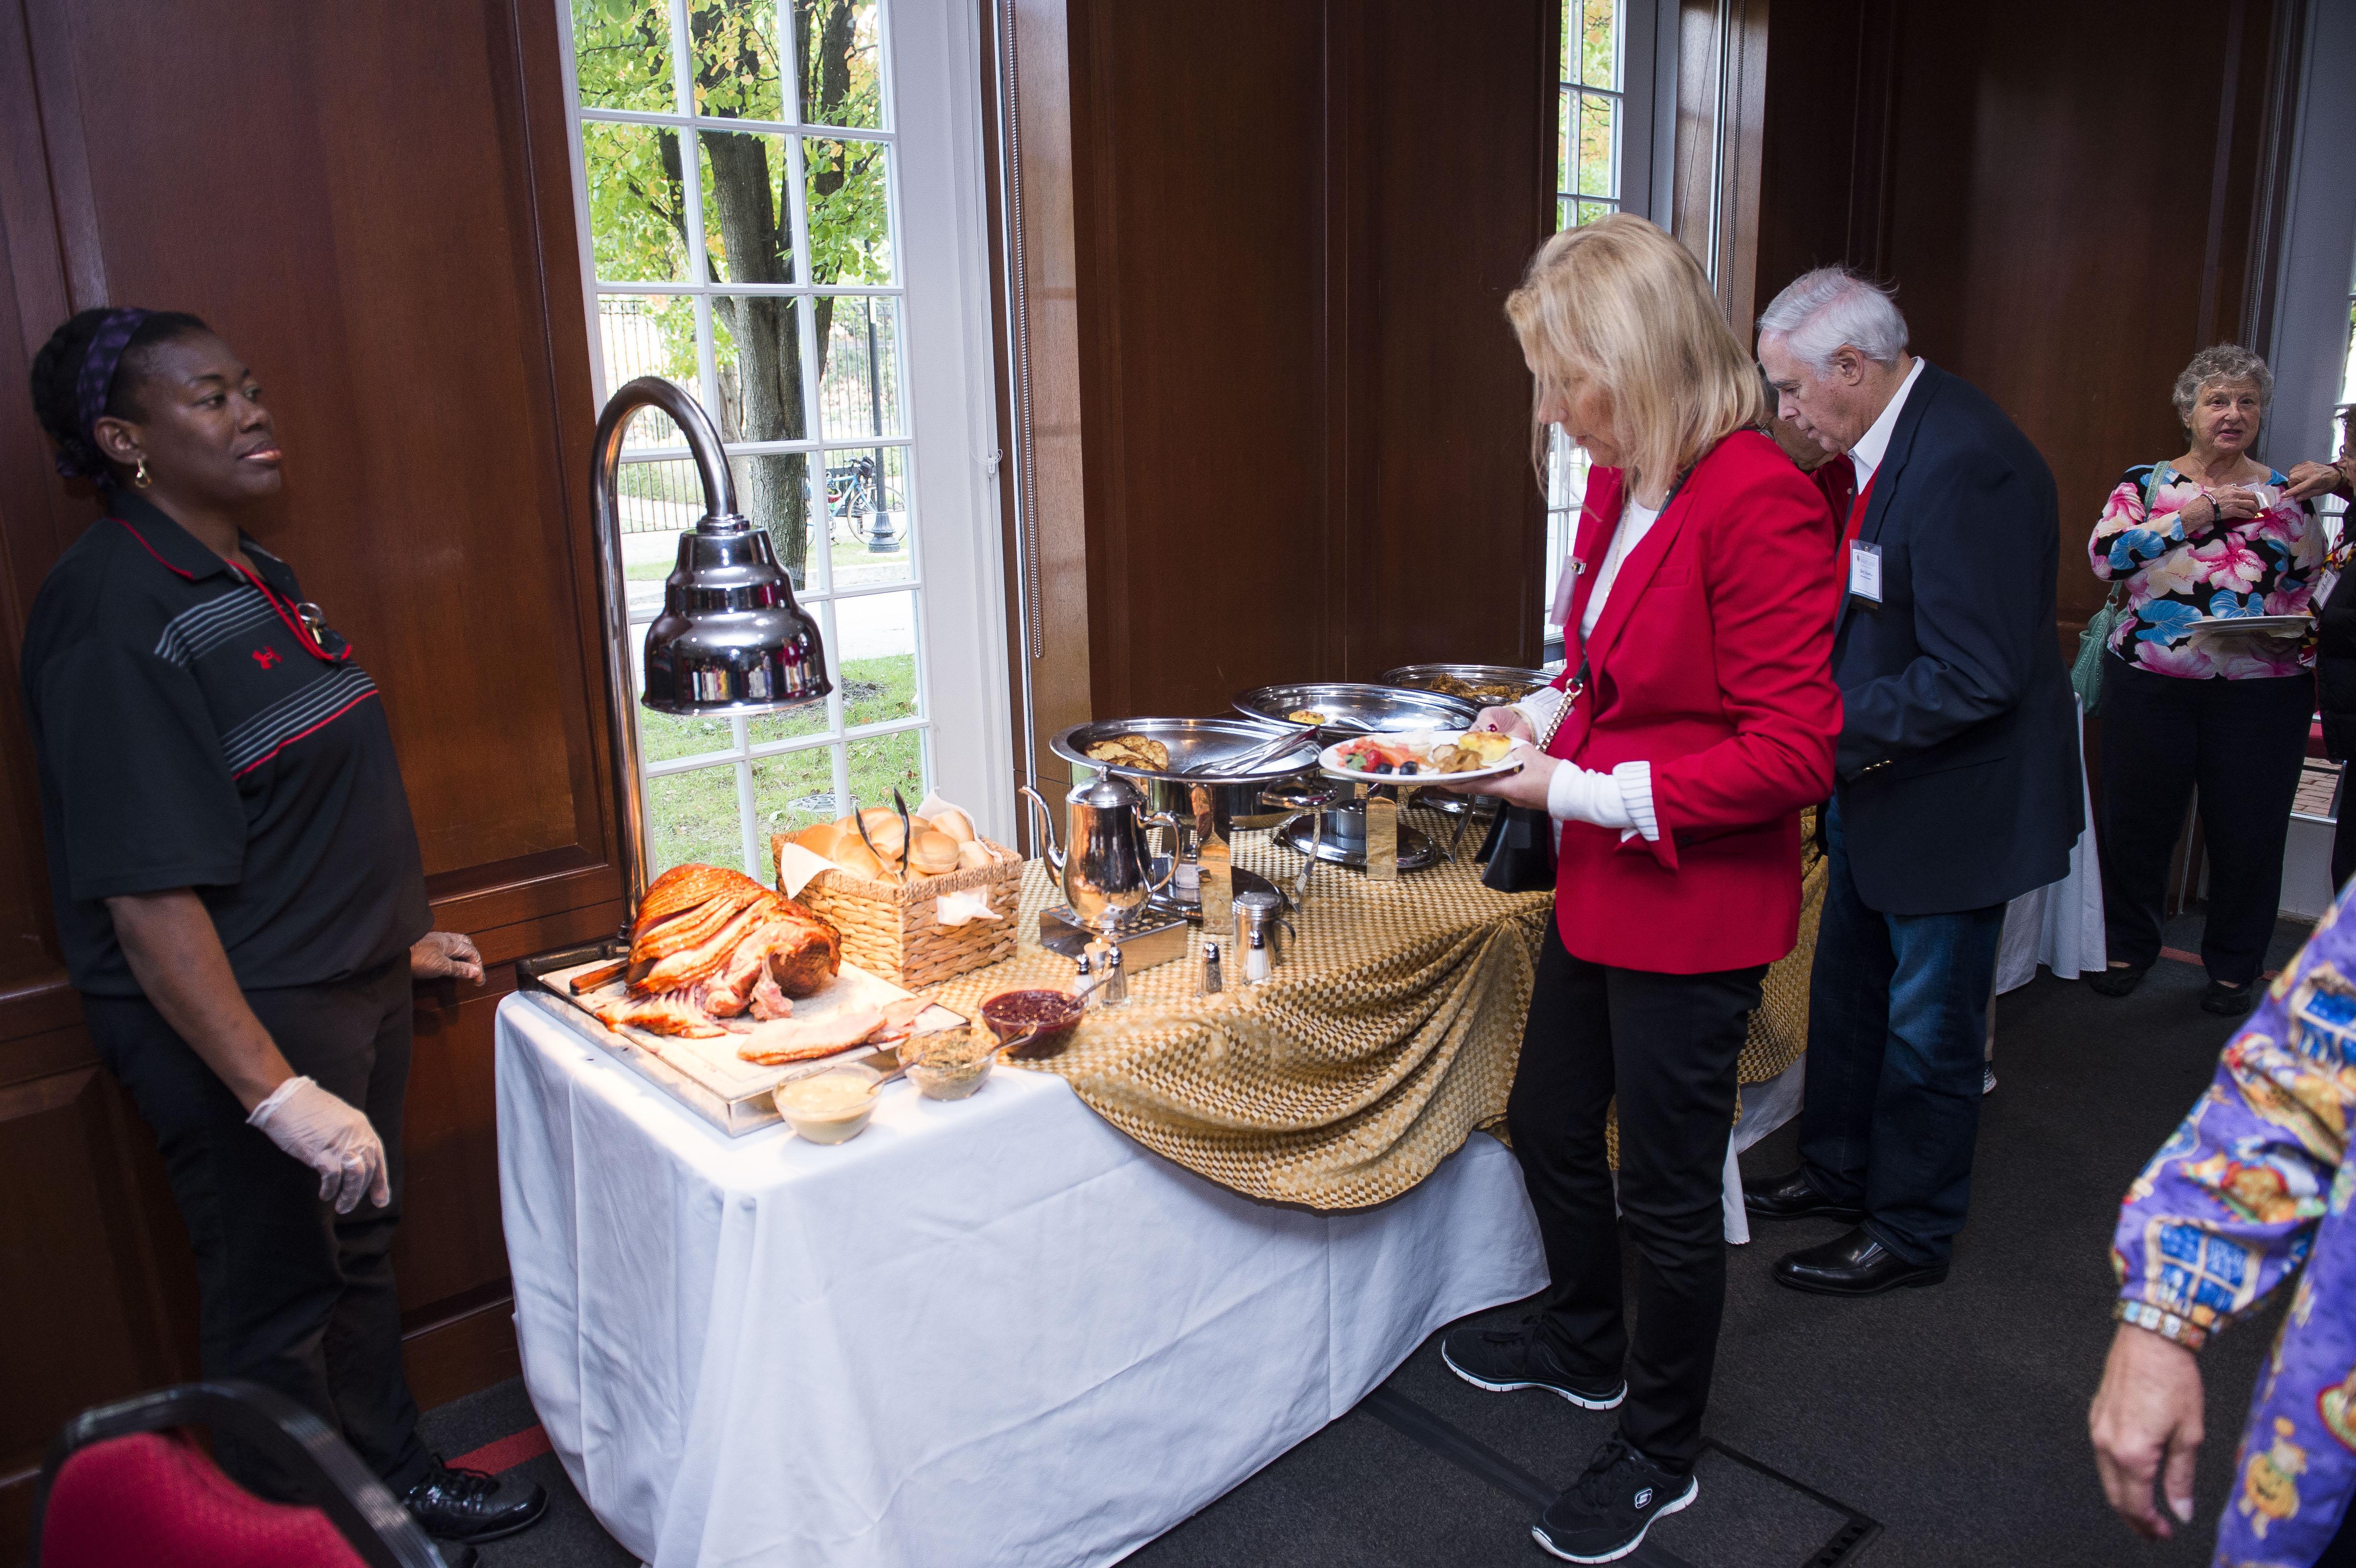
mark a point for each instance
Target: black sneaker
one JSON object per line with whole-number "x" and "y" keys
{"x": 1503, "y": 1360}
{"x": 472, "y": 1505}
{"x": 1604, "y": 1515}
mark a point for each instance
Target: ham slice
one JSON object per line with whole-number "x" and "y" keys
{"x": 683, "y": 887}
{"x": 801, "y": 1039}
{"x": 679, "y": 1013}
{"x": 732, "y": 991}
{"x": 706, "y": 960}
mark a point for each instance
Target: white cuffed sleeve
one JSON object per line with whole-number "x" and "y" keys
{"x": 1635, "y": 782}
{"x": 1540, "y": 707}
{"x": 1575, "y": 794}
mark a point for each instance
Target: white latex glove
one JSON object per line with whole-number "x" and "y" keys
{"x": 331, "y": 1138}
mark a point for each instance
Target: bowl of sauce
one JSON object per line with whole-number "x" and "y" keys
{"x": 830, "y": 1108}
{"x": 1044, "y": 1014}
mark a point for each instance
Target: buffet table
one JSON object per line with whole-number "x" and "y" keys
{"x": 989, "y": 1331}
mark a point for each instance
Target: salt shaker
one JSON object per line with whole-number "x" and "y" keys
{"x": 1114, "y": 991}
{"x": 1212, "y": 983}
{"x": 1256, "y": 918}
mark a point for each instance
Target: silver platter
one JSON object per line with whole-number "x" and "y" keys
{"x": 1191, "y": 742}
{"x": 1420, "y": 676}
{"x": 1357, "y": 708}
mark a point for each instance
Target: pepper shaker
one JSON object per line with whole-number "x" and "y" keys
{"x": 1212, "y": 982}
{"x": 1256, "y": 961}
{"x": 1114, "y": 991}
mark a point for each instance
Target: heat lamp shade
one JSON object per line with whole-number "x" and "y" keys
{"x": 732, "y": 639}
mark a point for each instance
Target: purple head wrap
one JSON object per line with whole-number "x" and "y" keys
{"x": 97, "y": 379}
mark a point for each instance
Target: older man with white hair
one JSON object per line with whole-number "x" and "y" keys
{"x": 1956, "y": 777}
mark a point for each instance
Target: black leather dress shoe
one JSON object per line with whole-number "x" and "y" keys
{"x": 471, "y": 1505}
{"x": 1856, "y": 1265}
{"x": 1790, "y": 1197}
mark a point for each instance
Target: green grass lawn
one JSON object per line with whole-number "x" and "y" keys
{"x": 846, "y": 553}
{"x": 693, "y": 816}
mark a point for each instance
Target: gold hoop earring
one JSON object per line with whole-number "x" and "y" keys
{"x": 139, "y": 475}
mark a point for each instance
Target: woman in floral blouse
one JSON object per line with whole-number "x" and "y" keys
{"x": 2211, "y": 534}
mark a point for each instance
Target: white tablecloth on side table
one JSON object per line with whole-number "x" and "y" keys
{"x": 987, "y": 1331}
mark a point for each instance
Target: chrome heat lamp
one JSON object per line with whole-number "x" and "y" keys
{"x": 731, "y": 640}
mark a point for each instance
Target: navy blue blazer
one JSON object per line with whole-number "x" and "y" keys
{"x": 1957, "y": 770}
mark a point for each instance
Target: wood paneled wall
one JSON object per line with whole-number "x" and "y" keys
{"x": 2066, "y": 218}
{"x": 1269, "y": 247}
{"x": 372, "y": 202}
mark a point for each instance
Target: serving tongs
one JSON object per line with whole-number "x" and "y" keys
{"x": 1257, "y": 756}
{"x": 859, "y": 820}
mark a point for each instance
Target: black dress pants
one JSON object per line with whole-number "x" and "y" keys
{"x": 291, "y": 1295}
{"x": 2242, "y": 741}
{"x": 1665, "y": 1047}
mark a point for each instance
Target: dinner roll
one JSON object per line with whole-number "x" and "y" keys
{"x": 973, "y": 854}
{"x": 821, "y": 840}
{"x": 854, "y": 856}
{"x": 956, "y": 824}
{"x": 883, "y": 827}
{"x": 933, "y": 853}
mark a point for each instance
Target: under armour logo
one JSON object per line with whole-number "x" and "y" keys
{"x": 1645, "y": 1497}
{"x": 265, "y": 658}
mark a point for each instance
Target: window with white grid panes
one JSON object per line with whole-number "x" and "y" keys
{"x": 743, "y": 240}
{"x": 1593, "y": 117}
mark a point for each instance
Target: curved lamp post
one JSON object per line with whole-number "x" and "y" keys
{"x": 731, "y": 640}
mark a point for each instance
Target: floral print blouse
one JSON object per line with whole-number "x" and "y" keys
{"x": 2264, "y": 565}
{"x": 2250, "y": 1193}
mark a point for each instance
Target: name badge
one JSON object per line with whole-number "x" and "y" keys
{"x": 1865, "y": 570}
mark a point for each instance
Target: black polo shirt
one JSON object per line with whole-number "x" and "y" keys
{"x": 192, "y": 730}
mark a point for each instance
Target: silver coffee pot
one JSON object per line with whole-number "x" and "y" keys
{"x": 1104, "y": 858}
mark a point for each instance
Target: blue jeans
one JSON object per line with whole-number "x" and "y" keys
{"x": 1897, "y": 1039}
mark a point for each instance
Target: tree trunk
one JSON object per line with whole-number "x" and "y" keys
{"x": 769, "y": 348}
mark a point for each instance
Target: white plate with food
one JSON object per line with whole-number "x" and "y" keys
{"x": 2255, "y": 626}
{"x": 1421, "y": 756}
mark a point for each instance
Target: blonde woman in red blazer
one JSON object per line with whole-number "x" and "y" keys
{"x": 1697, "y": 718}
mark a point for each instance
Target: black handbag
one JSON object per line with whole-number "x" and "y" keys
{"x": 1518, "y": 854}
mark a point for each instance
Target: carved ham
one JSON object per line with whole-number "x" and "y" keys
{"x": 710, "y": 944}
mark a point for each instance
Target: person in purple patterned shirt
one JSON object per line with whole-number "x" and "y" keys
{"x": 2252, "y": 1189}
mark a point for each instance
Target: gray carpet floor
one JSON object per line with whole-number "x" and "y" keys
{"x": 1953, "y": 1418}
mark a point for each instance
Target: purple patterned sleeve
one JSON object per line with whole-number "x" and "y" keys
{"x": 2229, "y": 1204}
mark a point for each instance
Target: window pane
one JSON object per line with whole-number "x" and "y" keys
{"x": 850, "y": 217}
{"x": 875, "y": 650}
{"x": 885, "y": 763}
{"x": 621, "y": 50}
{"x": 772, "y": 490}
{"x": 648, "y": 335}
{"x": 736, "y": 59}
{"x": 757, "y": 344}
{"x": 665, "y": 737}
{"x": 1570, "y": 40}
{"x": 859, "y": 382}
{"x": 793, "y": 792}
{"x": 694, "y": 816}
{"x": 838, "y": 49}
{"x": 794, "y": 723}
{"x": 871, "y": 523}
{"x": 1599, "y": 44}
{"x": 637, "y": 208}
{"x": 1589, "y": 212}
{"x": 1598, "y": 169}
{"x": 748, "y": 229}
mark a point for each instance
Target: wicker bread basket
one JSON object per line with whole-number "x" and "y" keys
{"x": 890, "y": 928}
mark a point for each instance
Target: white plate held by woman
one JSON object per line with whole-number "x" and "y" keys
{"x": 1419, "y": 743}
{"x": 2253, "y": 626}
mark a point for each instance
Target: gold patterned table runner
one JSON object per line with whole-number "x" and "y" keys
{"x": 1388, "y": 1034}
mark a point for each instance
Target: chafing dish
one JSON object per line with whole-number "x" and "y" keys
{"x": 1356, "y": 708}
{"x": 1426, "y": 676}
{"x": 1232, "y": 798}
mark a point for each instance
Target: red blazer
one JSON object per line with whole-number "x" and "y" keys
{"x": 1712, "y": 661}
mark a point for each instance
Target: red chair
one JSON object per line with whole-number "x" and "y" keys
{"x": 122, "y": 1487}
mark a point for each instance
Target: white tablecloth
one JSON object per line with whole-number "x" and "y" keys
{"x": 990, "y": 1331}
{"x": 2059, "y": 925}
